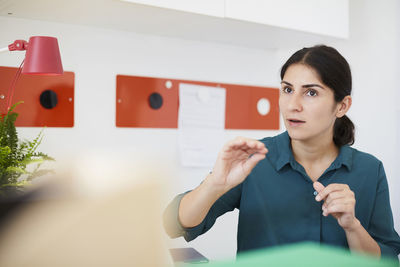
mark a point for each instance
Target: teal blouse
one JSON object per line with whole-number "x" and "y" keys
{"x": 277, "y": 203}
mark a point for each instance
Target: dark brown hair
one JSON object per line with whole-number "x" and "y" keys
{"x": 334, "y": 71}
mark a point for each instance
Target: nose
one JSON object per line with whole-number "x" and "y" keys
{"x": 295, "y": 103}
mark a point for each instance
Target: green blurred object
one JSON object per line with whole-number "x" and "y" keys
{"x": 16, "y": 155}
{"x": 304, "y": 254}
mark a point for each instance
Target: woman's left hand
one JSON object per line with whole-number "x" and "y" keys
{"x": 339, "y": 201}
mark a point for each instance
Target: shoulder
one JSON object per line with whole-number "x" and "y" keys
{"x": 364, "y": 157}
{"x": 276, "y": 140}
{"x": 364, "y": 161}
{"x": 268, "y": 140}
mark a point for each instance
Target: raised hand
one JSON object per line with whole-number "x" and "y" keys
{"x": 236, "y": 160}
{"x": 339, "y": 201}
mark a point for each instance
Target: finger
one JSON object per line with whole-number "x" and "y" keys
{"x": 318, "y": 186}
{"x": 263, "y": 149}
{"x": 334, "y": 195}
{"x": 244, "y": 147}
{"x": 252, "y": 162}
{"x": 328, "y": 189}
{"x": 242, "y": 153}
{"x": 238, "y": 142}
{"x": 347, "y": 194}
{"x": 242, "y": 143}
{"x": 251, "y": 143}
{"x": 341, "y": 201}
{"x": 260, "y": 145}
{"x": 337, "y": 201}
{"x": 255, "y": 150}
{"x": 233, "y": 144}
{"x": 251, "y": 146}
{"x": 343, "y": 208}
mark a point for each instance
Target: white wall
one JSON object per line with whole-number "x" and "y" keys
{"x": 97, "y": 55}
{"x": 373, "y": 52}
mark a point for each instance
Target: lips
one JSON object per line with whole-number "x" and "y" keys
{"x": 295, "y": 122}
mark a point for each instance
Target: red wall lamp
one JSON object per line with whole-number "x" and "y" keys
{"x": 42, "y": 58}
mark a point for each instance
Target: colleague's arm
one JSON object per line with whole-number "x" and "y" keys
{"x": 234, "y": 163}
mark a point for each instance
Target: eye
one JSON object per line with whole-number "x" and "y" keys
{"x": 287, "y": 90}
{"x": 312, "y": 92}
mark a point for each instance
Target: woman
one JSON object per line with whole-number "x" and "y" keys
{"x": 306, "y": 184}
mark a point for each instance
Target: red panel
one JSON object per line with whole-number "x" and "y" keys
{"x": 133, "y": 109}
{"x": 29, "y": 88}
{"x": 132, "y": 103}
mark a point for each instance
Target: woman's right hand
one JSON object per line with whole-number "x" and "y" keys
{"x": 235, "y": 161}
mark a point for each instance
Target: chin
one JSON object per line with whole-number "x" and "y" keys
{"x": 301, "y": 134}
{"x": 298, "y": 134}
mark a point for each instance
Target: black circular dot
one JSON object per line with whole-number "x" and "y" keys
{"x": 155, "y": 101}
{"x": 48, "y": 99}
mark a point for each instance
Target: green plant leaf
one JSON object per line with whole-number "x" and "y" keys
{"x": 22, "y": 183}
{"x": 12, "y": 169}
{"x": 16, "y": 154}
{"x": 39, "y": 173}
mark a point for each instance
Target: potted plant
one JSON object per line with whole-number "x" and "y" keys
{"x": 16, "y": 155}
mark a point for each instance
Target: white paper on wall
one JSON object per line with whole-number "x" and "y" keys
{"x": 201, "y": 123}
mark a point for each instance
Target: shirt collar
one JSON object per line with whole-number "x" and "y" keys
{"x": 283, "y": 150}
{"x": 345, "y": 158}
{"x": 285, "y": 154}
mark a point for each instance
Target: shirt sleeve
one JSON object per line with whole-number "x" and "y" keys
{"x": 228, "y": 202}
{"x": 381, "y": 226}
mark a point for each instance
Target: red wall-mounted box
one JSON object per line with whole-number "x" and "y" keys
{"x": 29, "y": 88}
{"x": 133, "y": 109}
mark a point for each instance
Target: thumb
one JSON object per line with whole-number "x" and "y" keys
{"x": 318, "y": 186}
{"x": 252, "y": 161}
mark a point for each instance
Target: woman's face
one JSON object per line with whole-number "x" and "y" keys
{"x": 307, "y": 105}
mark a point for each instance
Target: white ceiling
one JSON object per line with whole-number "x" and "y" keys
{"x": 119, "y": 15}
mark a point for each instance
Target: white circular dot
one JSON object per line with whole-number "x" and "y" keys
{"x": 263, "y": 106}
{"x": 119, "y": 100}
{"x": 2, "y": 96}
{"x": 70, "y": 99}
{"x": 168, "y": 84}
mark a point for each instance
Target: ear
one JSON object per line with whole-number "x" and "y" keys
{"x": 343, "y": 106}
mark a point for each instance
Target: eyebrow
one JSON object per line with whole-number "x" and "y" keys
{"x": 306, "y": 85}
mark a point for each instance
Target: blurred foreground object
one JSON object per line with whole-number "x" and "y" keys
{"x": 187, "y": 255}
{"x": 62, "y": 228}
{"x": 306, "y": 254}
{"x": 16, "y": 155}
